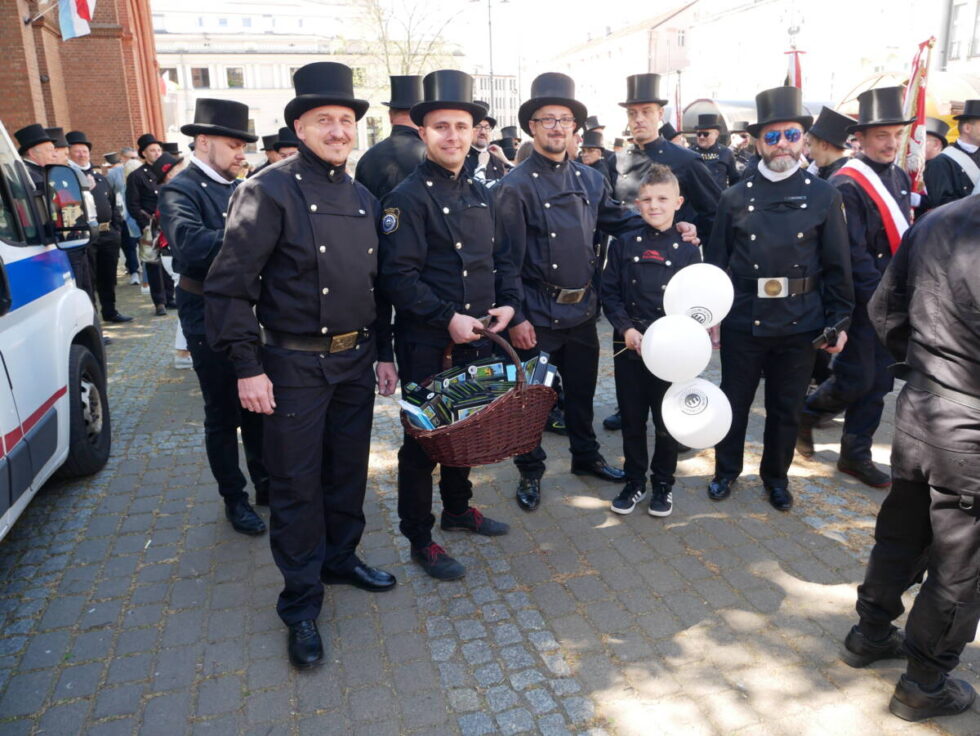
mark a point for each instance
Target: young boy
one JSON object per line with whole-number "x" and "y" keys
{"x": 640, "y": 265}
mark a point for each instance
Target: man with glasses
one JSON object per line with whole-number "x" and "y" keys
{"x": 485, "y": 162}
{"x": 718, "y": 158}
{"x": 781, "y": 236}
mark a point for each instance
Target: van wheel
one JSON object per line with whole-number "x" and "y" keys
{"x": 90, "y": 433}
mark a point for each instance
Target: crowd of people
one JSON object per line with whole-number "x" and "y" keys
{"x": 302, "y": 292}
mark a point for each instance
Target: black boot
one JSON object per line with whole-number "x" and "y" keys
{"x": 912, "y": 703}
{"x": 528, "y": 493}
{"x": 860, "y": 467}
{"x": 860, "y": 651}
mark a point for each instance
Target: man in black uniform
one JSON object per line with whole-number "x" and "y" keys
{"x": 36, "y": 148}
{"x": 271, "y": 154}
{"x": 956, "y": 173}
{"x": 743, "y": 146}
{"x": 485, "y": 161}
{"x": 287, "y": 144}
{"x": 877, "y": 205}
{"x": 718, "y": 158}
{"x": 549, "y": 209}
{"x": 935, "y": 144}
{"x": 103, "y": 250}
{"x": 645, "y": 109}
{"x": 592, "y": 125}
{"x": 386, "y": 164}
{"x": 142, "y": 191}
{"x": 442, "y": 270}
{"x": 828, "y": 142}
{"x": 593, "y": 154}
{"x": 193, "y": 208}
{"x": 301, "y": 248}
{"x": 781, "y": 236}
{"x": 925, "y": 311}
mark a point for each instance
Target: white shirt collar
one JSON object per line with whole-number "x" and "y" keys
{"x": 775, "y": 175}
{"x": 211, "y": 173}
{"x": 968, "y": 147}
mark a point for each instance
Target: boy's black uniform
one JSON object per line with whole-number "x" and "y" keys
{"x": 639, "y": 266}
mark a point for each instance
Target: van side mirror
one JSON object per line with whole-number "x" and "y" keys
{"x": 66, "y": 206}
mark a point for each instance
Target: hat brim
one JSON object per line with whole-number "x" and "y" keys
{"x": 304, "y": 103}
{"x": 193, "y": 129}
{"x": 420, "y": 110}
{"x": 662, "y": 103}
{"x": 877, "y": 124}
{"x": 579, "y": 111}
{"x": 21, "y": 150}
{"x": 942, "y": 139}
{"x": 966, "y": 117}
{"x": 140, "y": 149}
{"x": 178, "y": 162}
{"x": 805, "y": 120}
{"x": 491, "y": 120}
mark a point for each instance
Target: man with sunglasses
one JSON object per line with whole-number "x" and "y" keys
{"x": 781, "y": 236}
{"x": 718, "y": 158}
{"x": 877, "y": 203}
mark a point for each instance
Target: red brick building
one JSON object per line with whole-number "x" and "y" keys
{"x": 106, "y": 83}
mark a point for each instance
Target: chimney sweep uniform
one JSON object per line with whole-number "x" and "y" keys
{"x": 718, "y": 158}
{"x": 955, "y": 173}
{"x": 268, "y": 144}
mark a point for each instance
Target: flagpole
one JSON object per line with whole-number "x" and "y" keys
{"x": 28, "y": 20}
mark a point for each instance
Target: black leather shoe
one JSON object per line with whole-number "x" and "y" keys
{"x": 613, "y": 422}
{"x": 118, "y": 318}
{"x": 363, "y": 577}
{"x": 720, "y": 488}
{"x": 804, "y": 434}
{"x": 779, "y": 496}
{"x": 305, "y": 646}
{"x": 529, "y": 493}
{"x": 600, "y": 469}
{"x": 244, "y": 519}
{"x": 865, "y": 471}
{"x": 860, "y": 651}
{"x": 160, "y": 311}
{"x": 473, "y": 521}
{"x": 912, "y": 703}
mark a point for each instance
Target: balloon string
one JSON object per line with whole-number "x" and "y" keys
{"x": 620, "y": 352}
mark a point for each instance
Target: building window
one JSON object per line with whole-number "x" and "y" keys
{"x": 235, "y": 76}
{"x": 680, "y": 38}
{"x": 975, "y": 43}
{"x": 251, "y": 147}
{"x": 200, "y": 22}
{"x": 223, "y": 22}
{"x": 200, "y": 77}
{"x": 956, "y": 20}
{"x": 246, "y": 22}
{"x": 373, "y": 131}
{"x": 170, "y": 73}
{"x": 360, "y": 77}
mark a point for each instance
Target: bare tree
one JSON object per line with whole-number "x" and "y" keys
{"x": 409, "y": 34}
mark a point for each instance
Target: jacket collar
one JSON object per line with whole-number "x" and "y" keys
{"x": 334, "y": 174}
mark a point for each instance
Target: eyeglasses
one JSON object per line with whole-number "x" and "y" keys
{"x": 482, "y": 126}
{"x": 703, "y": 133}
{"x": 567, "y": 122}
{"x": 792, "y": 136}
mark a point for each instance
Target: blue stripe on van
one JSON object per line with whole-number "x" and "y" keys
{"x": 32, "y": 278}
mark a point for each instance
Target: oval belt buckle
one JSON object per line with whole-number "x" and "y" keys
{"x": 773, "y": 287}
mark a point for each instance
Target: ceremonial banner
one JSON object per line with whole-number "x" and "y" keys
{"x": 912, "y": 154}
{"x": 794, "y": 75}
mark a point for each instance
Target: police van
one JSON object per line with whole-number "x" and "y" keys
{"x": 54, "y": 410}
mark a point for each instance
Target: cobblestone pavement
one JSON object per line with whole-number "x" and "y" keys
{"x": 128, "y": 605}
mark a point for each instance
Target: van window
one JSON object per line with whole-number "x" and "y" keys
{"x": 18, "y": 208}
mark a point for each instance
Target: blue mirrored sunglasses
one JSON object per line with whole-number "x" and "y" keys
{"x": 792, "y": 135}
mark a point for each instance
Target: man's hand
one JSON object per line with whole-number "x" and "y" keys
{"x": 498, "y": 152}
{"x": 689, "y": 233}
{"x": 387, "y": 378}
{"x": 633, "y": 339}
{"x": 501, "y": 318}
{"x": 255, "y": 393}
{"x": 522, "y": 336}
{"x": 462, "y": 328}
{"x": 715, "y": 334}
{"x": 841, "y": 342}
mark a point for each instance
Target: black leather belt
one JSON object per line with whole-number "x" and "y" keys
{"x": 314, "y": 343}
{"x": 775, "y": 287}
{"x": 563, "y": 295}
{"x": 191, "y": 286}
{"x": 921, "y": 381}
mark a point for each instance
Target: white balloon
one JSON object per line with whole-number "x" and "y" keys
{"x": 697, "y": 413}
{"x": 676, "y": 348}
{"x": 702, "y": 292}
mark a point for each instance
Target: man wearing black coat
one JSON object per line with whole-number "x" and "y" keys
{"x": 193, "y": 209}
{"x": 388, "y": 162}
{"x": 925, "y": 312}
{"x": 718, "y": 158}
{"x": 955, "y": 173}
{"x": 142, "y": 192}
{"x": 828, "y": 142}
{"x": 291, "y": 300}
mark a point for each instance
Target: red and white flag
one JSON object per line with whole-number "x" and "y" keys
{"x": 74, "y": 17}
{"x": 794, "y": 74}
{"x": 678, "y": 112}
{"x": 912, "y": 155}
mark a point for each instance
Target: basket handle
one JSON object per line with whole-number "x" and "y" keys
{"x": 447, "y": 355}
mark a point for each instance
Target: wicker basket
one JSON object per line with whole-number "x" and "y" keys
{"x": 509, "y": 426}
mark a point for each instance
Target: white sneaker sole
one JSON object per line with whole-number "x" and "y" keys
{"x": 660, "y": 513}
{"x": 622, "y": 512}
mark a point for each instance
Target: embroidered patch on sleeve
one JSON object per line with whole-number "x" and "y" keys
{"x": 389, "y": 221}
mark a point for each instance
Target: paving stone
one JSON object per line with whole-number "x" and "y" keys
{"x": 500, "y": 698}
{"x": 118, "y": 701}
{"x": 463, "y": 699}
{"x": 476, "y": 724}
{"x": 540, "y": 701}
{"x": 488, "y": 675}
{"x": 518, "y": 720}
{"x": 78, "y": 681}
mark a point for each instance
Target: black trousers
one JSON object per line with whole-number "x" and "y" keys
{"x": 316, "y": 447}
{"x": 130, "y": 246}
{"x": 575, "y": 351}
{"x": 858, "y": 385}
{"x": 223, "y": 416}
{"x": 416, "y": 362}
{"x": 788, "y": 364}
{"x": 81, "y": 269}
{"x": 104, "y": 260}
{"x": 640, "y": 394}
{"x": 161, "y": 285}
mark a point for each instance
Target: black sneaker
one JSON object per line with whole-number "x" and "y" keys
{"x": 860, "y": 651}
{"x": 632, "y": 493}
{"x": 437, "y": 564}
{"x": 911, "y": 703}
{"x": 472, "y": 520}
{"x": 556, "y": 422}
{"x": 661, "y": 500}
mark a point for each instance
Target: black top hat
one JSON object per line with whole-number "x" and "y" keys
{"x": 323, "y": 83}
{"x": 779, "y": 105}
{"x": 709, "y": 121}
{"x": 447, "y": 89}
{"x": 488, "y": 117}
{"x": 619, "y": 143}
{"x": 592, "y": 139}
{"x": 642, "y": 89}
{"x": 592, "y": 123}
{"x": 668, "y": 132}
{"x": 405, "y": 92}
{"x": 111, "y": 158}
{"x": 880, "y": 106}
{"x": 551, "y": 88}
{"x": 831, "y": 126}
{"x": 165, "y": 163}
{"x": 145, "y": 140}
{"x": 172, "y": 147}
{"x": 58, "y": 136}
{"x": 510, "y": 131}
{"x": 739, "y": 126}
{"x": 269, "y": 142}
{"x": 971, "y": 109}
{"x": 77, "y": 136}
{"x": 938, "y": 128}
{"x": 287, "y": 137}
{"x": 30, "y": 136}
{"x": 220, "y": 117}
